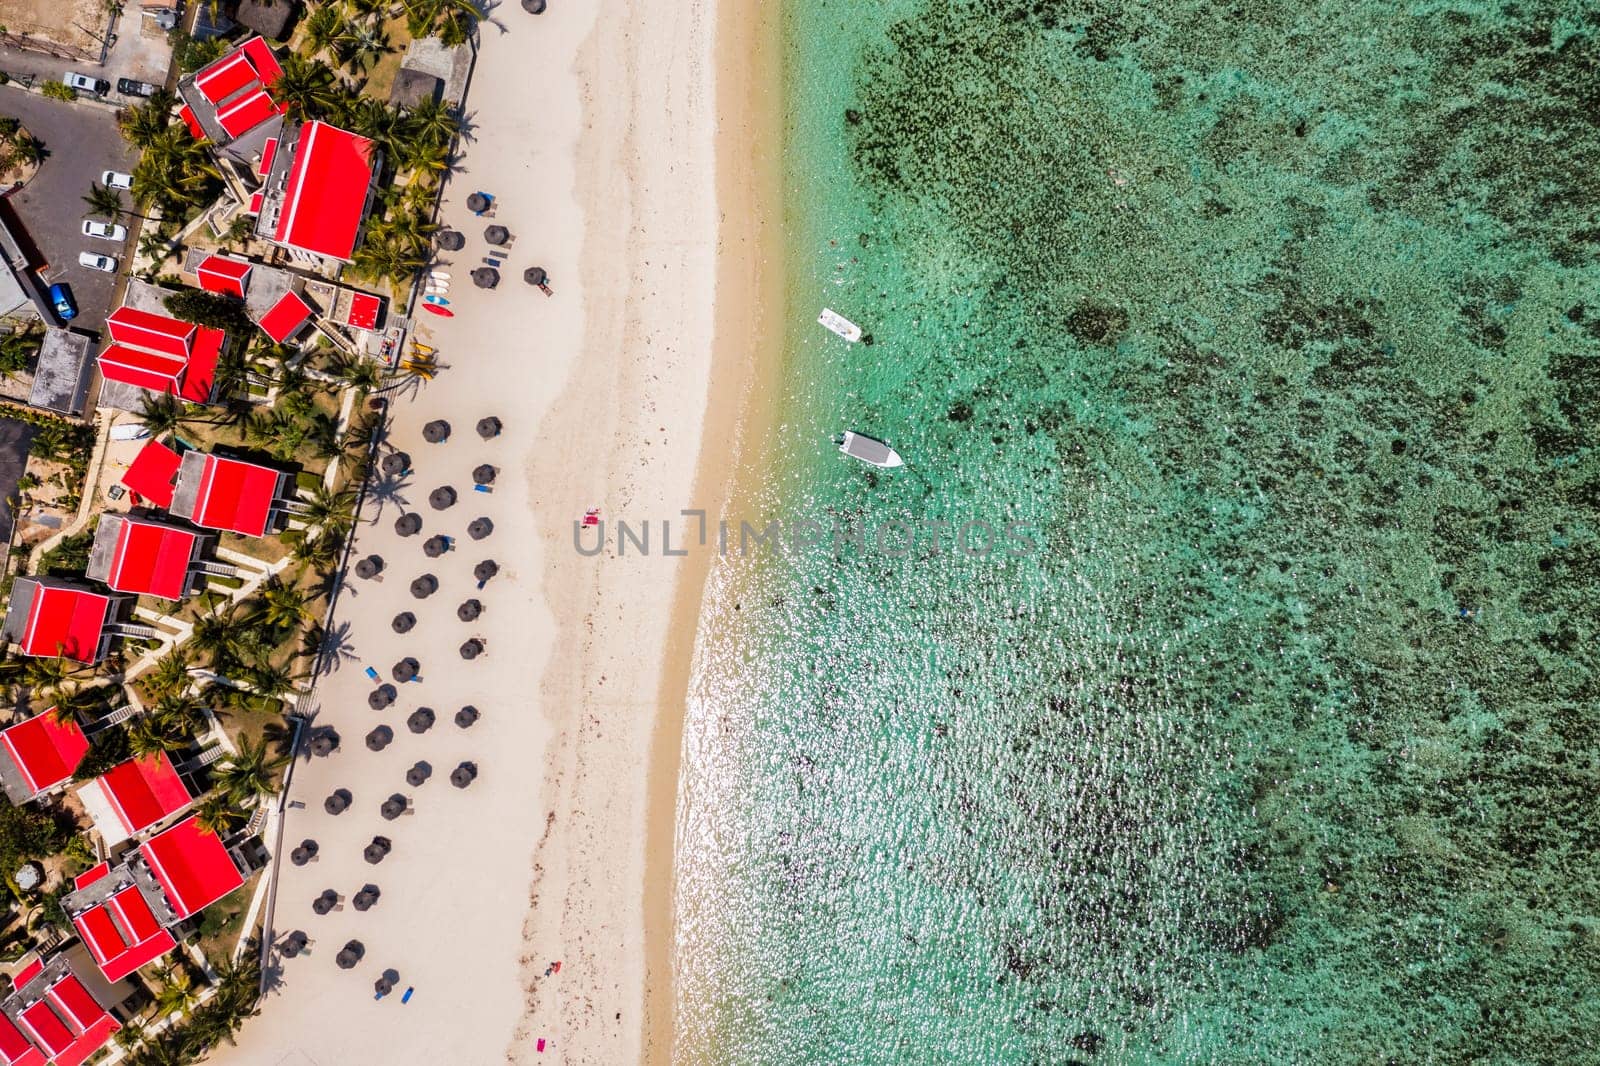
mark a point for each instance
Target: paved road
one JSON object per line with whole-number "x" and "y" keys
{"x": 82, "y": 141}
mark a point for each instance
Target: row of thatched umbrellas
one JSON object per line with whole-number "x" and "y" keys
{"x": 438, "y": 431}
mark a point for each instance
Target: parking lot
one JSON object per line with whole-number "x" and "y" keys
{"x": 81, "y": 141}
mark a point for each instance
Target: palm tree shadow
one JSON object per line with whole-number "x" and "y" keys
{"x": 386, "y": 489}
{"x": 333, "y": 646}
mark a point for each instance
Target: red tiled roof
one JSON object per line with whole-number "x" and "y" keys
{"x": 194, "y": 869}
{"x": 226, "y": 76}
{"x": 122, "y": 934}
{"x": 268, "y": 150}
{"x": 47, "y": 1028}
{"x": 261, "y": 57}
{"x": 141, "y": 792}
{"x": 200, "y": 376}
{"x": 28, "y": 972}
{"x": 146, "y": 329}
{"x": 326, "y": 196}
{"x": 148, "y": 370}
{"x": 91, "y": 875}
{"x": 364, "y": 308}
{"x": 187, "y": 114}
{"x": 286, "y": 317}
{"x": 89, "y": 1022}
{"x": 152, "y": 472}
{"x": 44, "y": 750}
{"x": 235, "y": 495}
{"x": 15, "y": 1049}
{"x": 255, "y": 202}
{"x": 224, "y": 274}
{"x": 65, "y": 621}
{"x": 241, "y": 116}
{"x": 150, "y": 558}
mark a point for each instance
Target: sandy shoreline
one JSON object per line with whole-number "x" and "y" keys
{"x": 598, "y": 136}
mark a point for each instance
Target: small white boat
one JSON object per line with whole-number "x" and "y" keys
{"x": 840, "y": 325}
{"x": 870, "y": 451}
{"x": 443, "y": 275}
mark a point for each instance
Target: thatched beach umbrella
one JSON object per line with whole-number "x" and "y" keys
{"x": 485, "y": 570}
{"x": 436, "y": 432}
{"x": 326, "y": 742}
{"x": 489, "y": 427}
{"x": 533, "y": 7}
{"x": 350, "y": 954}
{"x": 294, "y": 944}
{"x": 424, "y": 586}
{"x": 454, "y": 240}
{"x": 369, "y": 567}
{"x": 479, "y": 528}
{"x": 467, "y": 715}
{"x": 375, "y": 851}
{"x": 393, "y": 807}
{"x": 421, "y": 720}
{"x": 486, "y": 277}
{"x": 496, "y": 235}
{"x": 325, "y": 902}
{"x": 484, "y": 475}
{"x": 338, "y": 801}
{"x": 396, "y": 463}
{"x": 419, "y": 774}
{"x": 381, "y": 697}
{"x": 477, "y": 203}
{"x": 471, "y": 649}
{"x": 304, "y": 852}
{"x": 408, "y": 525}
{"x": 535, "y": 276}
{"x": 436, "y": 546}
{"x": 379, "y": 738}
{"x": 364, "y": 899}
{"x": 463, "y": 775}
{"x": 404, "y": 622}
{"x": 382, "y": 986}
{"x": 469, "y": 610}
{"x": 442, "y": 497}
{"x": 405, "y": 670}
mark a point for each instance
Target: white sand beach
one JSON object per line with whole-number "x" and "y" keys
{"x": 597, "y": 136}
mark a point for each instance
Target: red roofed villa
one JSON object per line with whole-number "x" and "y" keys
{"x": 224, "y": 274}
{"x": 144, "y": 557}
{"x": 192, "y": 865}
{"x": 230, "y": 99}
{"x": 133, "y": 796}
{"x": 121, "y": 932}
{"x": 153, "y": 473}
{"x": 216, "y": 492}
{"x": 317, "y": 190}
{"x": 53, "y": 1018}
{"x": 39, "y": 754}
{"x": 48, "y": 616}
{"x": 286, "y": 318}
{"x": 162, "y": 354}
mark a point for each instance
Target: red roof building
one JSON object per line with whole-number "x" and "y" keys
{"x": 53, "y": 1018}
{"x": 216, "y": 492}
{"x": 122, "y": 933}
{"x": 48, "y": 616}
{"x": 153, "y": 473}
{"x": 162, "y": 354}
{"x": 133, "y": 796}
{"x": 318, "y": 189}
{"x": 143, "y": 557}
{"x": 224, "y": 274}
{"x": 286, "y": 318}
{"x": 364, "y": 311}
{"x": 230, "y": 97}
{"x": 192, "y": 866}
{"x": 39, "y": 754}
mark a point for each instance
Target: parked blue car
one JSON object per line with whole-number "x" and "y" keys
{"x": 61, "y": 298}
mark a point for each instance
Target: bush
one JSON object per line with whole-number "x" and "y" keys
{"x": 209, "y": 309}
{"x": 26, "y": 833}
{"x": 191, "y": 54}
{"x": 70, "y": 557}
{"x": 109, "y": 749}
{"x": 58, "y": 91}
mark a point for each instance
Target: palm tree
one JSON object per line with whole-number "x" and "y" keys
{"x": 279, "y": 735}
{"x": 104, "y": 200}
{"x": 271, "y": 681}
{"x": 323, "y": 29}
{"x": 27, "y": 148}
{"x": 284, "y": 607}
{"x": 360, "y": 47}
{"x": 54, "y": 675}
{"x": 145, "y": 737}
{"x": 330, "y": 510}
{"x": 306, "y": 87}
{"x": 318, "y": 551}
{"x": 432, "y": 122}
{"x": 177, "y": 990}
{"x": 250, "y": 774}
{"x": 170, "y": 675}
{"x": 223, "y": 635}
{"x": 162, "y": 414}
{"x": 144, "y": 124}
{"x": 179, "y": 716}
{"x": 216, "y": 815}
{"x": 358, "y": 373}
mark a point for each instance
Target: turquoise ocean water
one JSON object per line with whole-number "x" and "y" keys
{"x": 1279, "y": 325}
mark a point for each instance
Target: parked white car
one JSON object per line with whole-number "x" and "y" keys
{"x": 106, "y": 231}
{"x": 85, "y": 84}
{"x": 116, "y": 179}
{"x": 106, "y": 263}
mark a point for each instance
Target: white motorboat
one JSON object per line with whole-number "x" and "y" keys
{"x": 870, "y": 451}
{"x": 839, "y": 324}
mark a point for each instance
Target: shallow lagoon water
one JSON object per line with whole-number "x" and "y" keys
{"x": 1277, "y": 327}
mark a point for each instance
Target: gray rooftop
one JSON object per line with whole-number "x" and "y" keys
{"x": 61, "y": 379}
{"x": 105, "y": 546}
{"x": 188, "y": 491}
